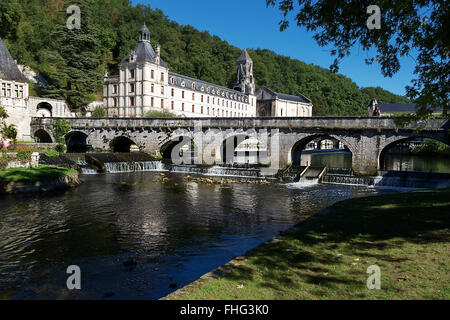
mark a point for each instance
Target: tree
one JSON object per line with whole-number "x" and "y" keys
{"x": 407, "y": 26}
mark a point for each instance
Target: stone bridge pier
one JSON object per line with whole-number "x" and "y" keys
{"x": 280, "y": 141}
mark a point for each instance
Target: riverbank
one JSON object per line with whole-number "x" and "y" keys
{"x": 326, "y": 257}
{"x": 35, "y": 180}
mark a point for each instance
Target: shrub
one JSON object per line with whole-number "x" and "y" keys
{"x": 60, "y": 148}
{"x": 60, "y": 128}
{"x": 99, "y": 113}
{"x": 156, "y": 114}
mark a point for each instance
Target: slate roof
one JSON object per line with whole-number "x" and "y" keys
{"x": 206, "y": 87}
{"x": 8, "y": 67}
{"x": 244, "y": 57}
{"x": 144, "y": 51}
{"x": 397, "y": 107}
{"x": 282, "y": 96}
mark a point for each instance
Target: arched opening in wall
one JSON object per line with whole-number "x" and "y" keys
{"x": 321, "y": 151}
{"x": 42, "y": 136}
{"x": 416, "y": 154}
{"x": 243, "y": 150}
{"x": 181, "y": 150}
{"x": 121, "y": 144}
{"x": 76, "y": 142}
{"x": 44, "y": 110}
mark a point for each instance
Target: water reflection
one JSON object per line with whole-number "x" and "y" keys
{"x": 410, "y": 162}
{"x": 175, "y": 232}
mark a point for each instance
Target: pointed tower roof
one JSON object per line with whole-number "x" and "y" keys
{"x": 143, "y": 51}
{"x": 245, "y": 57}
{"x": 8, "y": 67}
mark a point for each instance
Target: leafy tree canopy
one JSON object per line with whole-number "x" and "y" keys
{"x": 408, "y": 27}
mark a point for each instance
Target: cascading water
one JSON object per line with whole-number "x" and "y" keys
{"x": 218, "y": 171}
{"x": 138, "y": 166}
{"x": 85, "y": 167}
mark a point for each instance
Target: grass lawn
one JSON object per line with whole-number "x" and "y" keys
{"x": 407, "y": 235}
{"x": 33, "y": 174}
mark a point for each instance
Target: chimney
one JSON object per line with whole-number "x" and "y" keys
{"x": 158, "y": 53}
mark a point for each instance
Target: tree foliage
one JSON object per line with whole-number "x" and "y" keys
{"x": 74, "y": 61}
{"x": 408, "y": 27}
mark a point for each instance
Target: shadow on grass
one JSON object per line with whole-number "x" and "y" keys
{"x": 370, "y": 226}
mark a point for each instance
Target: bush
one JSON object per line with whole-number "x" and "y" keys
{"x": 61, "y": 148}
{"x": 156, "y": 114}
{"x": 99, "y": 113}
{"x": 60, "y": 128}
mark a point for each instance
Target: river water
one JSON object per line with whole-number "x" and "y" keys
{"x": 174, "y": 232}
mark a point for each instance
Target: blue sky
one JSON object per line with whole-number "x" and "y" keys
{"x": 250, "y": 24}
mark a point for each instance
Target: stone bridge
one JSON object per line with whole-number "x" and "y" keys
{"x": 282, "y": 139}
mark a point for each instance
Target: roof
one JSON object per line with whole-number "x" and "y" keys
{"x": 392, "y": 108}
{"x": 8, "y": 67}
{"x": 244, "y": 57}
{"x": 272, "y": 95}
{"x": 206, "y": 87}
{"x": 144, "y": 53}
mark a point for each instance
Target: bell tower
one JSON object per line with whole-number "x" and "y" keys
{"x": 245, "y": 82}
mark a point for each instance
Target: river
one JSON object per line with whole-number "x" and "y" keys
{"x": 174, "y": 232}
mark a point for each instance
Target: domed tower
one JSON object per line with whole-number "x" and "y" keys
{"x": 245, "y": 82}
{"x": 144, "y": 34}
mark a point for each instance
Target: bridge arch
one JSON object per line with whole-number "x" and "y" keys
{"x": 44, "y": 109}
{"x": 241, "y": 147}
{"x": 182, "y": 147}
{"x": 395, "y": 142}
{"x": 298, "y": 149}
{"x": 121, "y": 144}
{"x": 76, "y": 142}
{"x": 42, "y": 136}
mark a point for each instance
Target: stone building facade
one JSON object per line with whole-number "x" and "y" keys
{"x": 145, "y": 83}
{"x": 14, "y": 97}
{"x": 274, "y": 104}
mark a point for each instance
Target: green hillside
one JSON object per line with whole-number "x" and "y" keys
{"x": 74, "y": 61}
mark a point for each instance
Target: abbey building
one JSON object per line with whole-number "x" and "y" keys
{"x": 145, "y": 83}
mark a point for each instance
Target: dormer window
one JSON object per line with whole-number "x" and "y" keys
{"x": 193, "y": 85}
{"x": 132, "y": 74}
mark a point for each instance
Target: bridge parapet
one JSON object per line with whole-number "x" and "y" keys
{"x": 341, "y": 123}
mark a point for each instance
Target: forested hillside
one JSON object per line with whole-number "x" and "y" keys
{"x": 74, "y": 61}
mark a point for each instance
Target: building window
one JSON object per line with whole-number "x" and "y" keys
{"x": 132, "y": 74}
{"x": 193, "y": 97}
{"x": 172, "y": 80}
{"x": 153, "y": 88}
{"x": 182, "y": 107}
{"x": 193, "y": 85}
{"x": 162, "y": 103}
{"x": 173, "y": 105}
{"x": 208, "y": 99}
{"x": 162, "y": 89}
{"x": 152, "y": 102}
{"x": 202, "y": 98}
{"x": 132, "y": 101}
{"x": 173, "y": 92}
{"x": 132, "y": 87}
{"x": 201, "y": 110}
{"x": 162, "y": 76}
{"x": 114, "y": 102}
{"x": 193, "y": 109}
{"x": 153, "y": 74}
{"x": 115, "y": 89}
{"x": 182, "y": 94}
{"x": 208, "y": 111}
